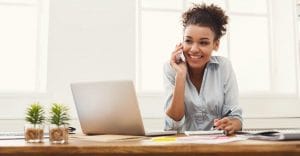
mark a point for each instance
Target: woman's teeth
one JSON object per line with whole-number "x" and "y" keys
{"x": 195, "y": 56}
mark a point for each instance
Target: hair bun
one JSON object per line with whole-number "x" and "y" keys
{"x": 206, "y": 15}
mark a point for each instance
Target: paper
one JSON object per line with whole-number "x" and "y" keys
{"x": 203, "y": 132}
{"x": 164, "y": 139}
{"x": 107, "y": 138}
{"x": 200, "y": 139}
{"x": 209, "y": 139}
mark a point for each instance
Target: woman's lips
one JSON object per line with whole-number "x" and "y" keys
{"x": 195, "y": 56}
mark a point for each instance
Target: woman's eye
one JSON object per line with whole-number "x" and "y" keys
{"x": 204, "y": 43}
{"x": 187, "y": 41}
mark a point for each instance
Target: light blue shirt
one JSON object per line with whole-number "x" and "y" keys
{"x": 218, "y": 94}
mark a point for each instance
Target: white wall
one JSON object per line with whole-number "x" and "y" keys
{"x": 88, "y": 40}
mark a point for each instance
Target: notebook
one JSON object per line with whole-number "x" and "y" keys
{"x": 7, "y": 135}
{"x": 272, "y": 134}
{"x": 13, "y": 135}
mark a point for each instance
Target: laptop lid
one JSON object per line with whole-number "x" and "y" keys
{"x": 108, "y": 107}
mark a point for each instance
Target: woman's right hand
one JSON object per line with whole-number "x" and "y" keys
{"x": 180, "y": 67}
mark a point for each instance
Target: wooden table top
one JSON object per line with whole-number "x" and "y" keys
{"x": 146, "y": 147}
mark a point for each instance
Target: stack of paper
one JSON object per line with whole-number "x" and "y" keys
{"x": 211, "y": 132}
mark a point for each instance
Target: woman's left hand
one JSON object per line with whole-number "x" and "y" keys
{"x": 230, "y": 125}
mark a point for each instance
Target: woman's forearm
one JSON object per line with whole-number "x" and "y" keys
{"x": 176, "y": 108}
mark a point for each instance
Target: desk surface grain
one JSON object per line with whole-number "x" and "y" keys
{"x": 146, "y": 147}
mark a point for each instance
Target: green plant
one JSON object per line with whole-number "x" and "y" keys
{"x": 35, "y": 114}
{"x": 59, "y": 114}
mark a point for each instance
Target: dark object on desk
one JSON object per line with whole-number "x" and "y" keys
{"x": 277, "y": 136}
{"x": 266, "y": 133}
{"x": 272, "y": 134}
{"x": 71, "y": 130}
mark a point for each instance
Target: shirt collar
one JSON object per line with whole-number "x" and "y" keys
{"x": 213, "y": 60}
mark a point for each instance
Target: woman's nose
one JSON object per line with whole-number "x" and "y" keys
{"x": 194, "y": 48}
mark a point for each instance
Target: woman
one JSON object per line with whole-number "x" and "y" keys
{"x": 202, "y": 90}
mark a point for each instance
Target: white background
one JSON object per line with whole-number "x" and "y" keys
{"x": 96, "y": 40}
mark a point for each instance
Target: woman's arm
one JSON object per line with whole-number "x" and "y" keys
{"x": 233, "y": 122}
{"x": 175, "y": 109}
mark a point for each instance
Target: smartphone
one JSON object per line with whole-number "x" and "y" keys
{"x": 180, "y": 57}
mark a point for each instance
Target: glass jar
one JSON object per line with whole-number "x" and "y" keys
{"x": 34, "y": 133}
{"x": 58, "y": 134}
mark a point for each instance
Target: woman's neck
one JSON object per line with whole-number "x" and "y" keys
{"x": 196, "y": 76}
{"x": 196, "y": 72}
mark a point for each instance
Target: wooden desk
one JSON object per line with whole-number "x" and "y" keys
{"x": 143, "y": 147}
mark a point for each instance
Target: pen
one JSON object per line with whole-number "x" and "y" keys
{"x": 227, "y": 113}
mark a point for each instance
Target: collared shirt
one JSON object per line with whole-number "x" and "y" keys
{"x": 218, "y": 94}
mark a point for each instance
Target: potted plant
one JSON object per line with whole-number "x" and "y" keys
{"x": 59, "y": 117}
{"x": 34, "y": 129}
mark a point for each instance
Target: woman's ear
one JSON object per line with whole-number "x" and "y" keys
{"x": 216, "y": 45}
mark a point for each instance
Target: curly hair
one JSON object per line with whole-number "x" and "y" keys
{"x": 211, "y": 16}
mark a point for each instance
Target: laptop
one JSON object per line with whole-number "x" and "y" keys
{"x": 110, "y": 107}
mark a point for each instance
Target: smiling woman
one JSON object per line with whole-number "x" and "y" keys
{"x": 261, "y": 43}
{"x": 201, "y": 89}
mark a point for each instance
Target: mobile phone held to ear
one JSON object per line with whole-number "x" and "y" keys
{"x": 180, "y": 57}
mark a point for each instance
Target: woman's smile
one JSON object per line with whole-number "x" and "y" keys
{"x": 195, "y": 57}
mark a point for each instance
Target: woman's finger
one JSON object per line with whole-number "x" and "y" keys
{"x": 177, "y": 48}
{"x": 222, "y": 121}
{"x": 225, "y": 120}
{"x": 221, "y": 126}
{"x": 176, "y": 55}
{"x": 228, "y": 128}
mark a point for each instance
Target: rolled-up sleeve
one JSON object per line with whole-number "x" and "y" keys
{"x": 231, "y": 93}
{"x": 169, "y": 84}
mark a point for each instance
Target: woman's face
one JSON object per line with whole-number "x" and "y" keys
{"x": 198, "y": 45}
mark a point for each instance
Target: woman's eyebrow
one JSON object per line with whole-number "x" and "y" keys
{"x": 204, "y": 38}
{"x": 201, "y": 39}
